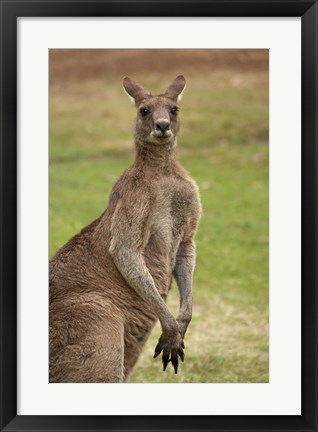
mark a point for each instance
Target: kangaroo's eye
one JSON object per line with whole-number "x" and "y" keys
{"x": 144, "y": 111}
{"x": 174, "y": 110}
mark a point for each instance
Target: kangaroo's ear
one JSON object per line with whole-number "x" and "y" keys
{"x": 175, "y": 89}
{"x": 135, "y": 92}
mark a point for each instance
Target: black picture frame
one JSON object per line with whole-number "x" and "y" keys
{"x": 10, "y": 11}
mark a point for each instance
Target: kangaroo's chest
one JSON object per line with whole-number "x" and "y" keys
{"x": 184, "y": 207}
{"x": 173, "y": 209}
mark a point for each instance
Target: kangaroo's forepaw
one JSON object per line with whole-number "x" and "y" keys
{"x": 171, "y": 348}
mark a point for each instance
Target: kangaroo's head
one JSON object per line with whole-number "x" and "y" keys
{"x": 157, "y": 116}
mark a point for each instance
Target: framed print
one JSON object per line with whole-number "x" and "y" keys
{"x": 247, "y": 74}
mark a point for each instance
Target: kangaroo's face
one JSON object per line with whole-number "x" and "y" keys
{"x": 157, "y": 120}
{"x": 157, "y": 116}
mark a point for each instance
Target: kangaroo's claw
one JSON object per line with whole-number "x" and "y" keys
{"x": 174, "y": 360}
{"x": 181, "y": 354}
{"x": 165, "y": 359}
{"x": 158, "y": 350}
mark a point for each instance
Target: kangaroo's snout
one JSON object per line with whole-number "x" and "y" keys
{"x": 162, "y": 126}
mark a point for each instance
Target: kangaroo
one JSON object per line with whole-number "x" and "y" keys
{"x": 109, "y": 283}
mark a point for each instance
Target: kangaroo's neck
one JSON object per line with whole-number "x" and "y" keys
{"x": 161, "y": 157}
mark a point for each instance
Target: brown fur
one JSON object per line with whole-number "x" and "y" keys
{"x": 109, "y": 283}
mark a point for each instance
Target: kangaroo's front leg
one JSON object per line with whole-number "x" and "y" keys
{"x": 183, "y": 273}
{"x": 129, "y": 231}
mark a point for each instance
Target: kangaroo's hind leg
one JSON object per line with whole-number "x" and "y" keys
{"x": 96, "y": 358}
{"x": 133, "y": 346}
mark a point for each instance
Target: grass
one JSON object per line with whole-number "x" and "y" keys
{"x": 224, "y": 145}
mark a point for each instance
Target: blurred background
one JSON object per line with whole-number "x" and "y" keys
{"x": 223, "y": 143}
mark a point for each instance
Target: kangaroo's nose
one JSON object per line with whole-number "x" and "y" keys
{"x": 162, "y": 125}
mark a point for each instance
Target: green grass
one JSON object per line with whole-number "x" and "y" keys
{"x": 224, "y": 145}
